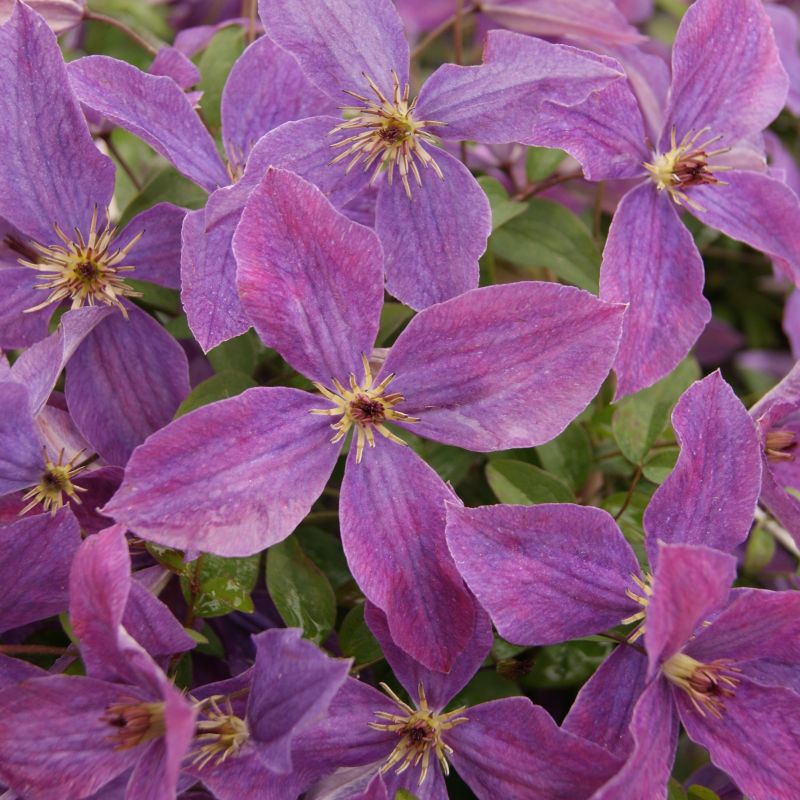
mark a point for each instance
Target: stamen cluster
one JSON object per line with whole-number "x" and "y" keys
{"x": 708, "y": 685}
{"x": 56, "y": 483}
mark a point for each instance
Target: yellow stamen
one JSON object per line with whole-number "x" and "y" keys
{"x": 222, "y": 732}
{"x": 134, "y": 723}
{"x": 645, "y": 586}
{"x": 56, "y": 482}
{"x": 708, "y": 685}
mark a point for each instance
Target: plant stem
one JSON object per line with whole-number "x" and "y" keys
{"x": 636, "y": 477}
{"x": 36, "y": 649}
{"x": 461, "y": 12}
{"x": 91, "y": 16}
{"x": 112, "y": 148}
{"x": 542, "y": 186}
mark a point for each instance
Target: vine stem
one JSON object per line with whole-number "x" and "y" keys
{"x": 636, "y": 477}
{"x": 36, "y": 649}
{"x": 541, "y": 186}
{"x": 92, "y": 16}
{"x": 126, "y": 167}
{"x": 462, "y": 11}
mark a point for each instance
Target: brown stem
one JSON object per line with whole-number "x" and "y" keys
{"x": 597, "y": 212}
{"x": 36, "y": 649}
{"x": 636, "y": 477}
{"x": 126, "y": 167}
{"x": 250, "y": 10}
{"x": 461, "y": 12}
{"x": 542, "y": 186}
{"x": 121, "y": 26}
{"x": 656, "y": 446}
{"x": 616, "y": 637}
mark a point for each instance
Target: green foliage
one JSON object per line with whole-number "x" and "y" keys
{"x": 518, "y": 483}
{"x": 166, "y": 186}
{"x": 542, "y": 162}
{"x": 503, "y": 208}
{"x": 356, "y": 639}
{"x": 213, "y": 586}
{"x": 218, "y": 387}
{"x": 560, "y": 666}
{"x": 215, "y": 64}
{"x": 568, "y": 456}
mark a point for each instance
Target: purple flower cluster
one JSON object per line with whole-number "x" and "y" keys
{"x": 336, "y": 206}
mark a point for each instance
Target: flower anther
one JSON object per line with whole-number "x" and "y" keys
{"x": 708, "y": 685}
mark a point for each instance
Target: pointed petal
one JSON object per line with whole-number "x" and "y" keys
{"x": 358, "y": 37}
{"x": 439, "y": 688}
{"x": 499, "y": 101}
{"x": 21, "y": 461}
{"x": 463, "y": 364}
{"x": 50, "y": 170}
{"x": 230, "y": 478}
{"x": 34, "y": 571}
{"x": 155, "y": 109}
{"x": 125, "y": 381}
{"x": 758, "y": 727}
{"x": 392, "y": 522}
{"x": 153, "y": 625}
{"x": 433, "y": 240}
{"x": 690, "y": 583}
{"x": 545, "y": 573}
{"x": 512, "y": 749}
{"x": 651, "y": 261}
{"x": 726, "y": 72}
{"x": 309, "y": 278}
{"x": 711, "y": 495}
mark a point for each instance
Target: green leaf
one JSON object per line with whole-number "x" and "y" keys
{"x": 697, "y": 792}
{"x": 548, "y": 235}
{"x": 239, "y": 354}
{"x": 166, "y": 186}
{"x": 562, "y": 665}
{"x": 659, "y": 464}
{"x": 452, "y": 463}
{"x": 524, "y": 484}
{"x": 173, "y": 560}
{"x": 393, "y": 315}
{"x": 640, "y": 419}
{"x": 215, "y": 65}
{"x": 503, "y": 207}
{"x": 218, "y": 387}
{"x": 356, "y": 639}
{"x": 630, "y": 523}
{"x": 301, "y": 592}
{"x": 155, "y": 297}
{"x": 215, "y": 585}
{"x": 325, "y": 550}
{"x": 542, "y": 162}
{"x": 760, "y": 550}
{"x": 485, "y": 686}
{"x": 569, "y": 456}
{"x": 404, "y": 794}
{"x": 675, "y": 790}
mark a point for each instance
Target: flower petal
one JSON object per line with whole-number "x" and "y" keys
{"x": 470, "y": 368}
{"x": 17, "y": 292}
{"x": 21, "y": 461}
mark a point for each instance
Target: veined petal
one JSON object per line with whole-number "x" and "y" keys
{"x": 651, "y": 262}
{"x": 310, "y": 279}
{"x": 21, "y": 461}
{"x": 711, "y": 495}
{"x": 392, "y": 521}
{"x": 545, "y": 573}
{"x": 230, "y": 478}
{"x": 50, "y": 170}
{"x": 471, "y": 367}
{"x": 17, "y": 292}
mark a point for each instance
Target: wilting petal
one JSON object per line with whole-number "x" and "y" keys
{"x": 512, "y": 749}
{"x": 310, "y": 279}
{"x": 439, "y": 688}
{"x": 756, "y": 209}
{"x": 358, "y": 37}
{"x": 603, "y": 710}
{"x": 50, "y": 170}
{"x": 157, "y": 255}
{"x": 758, "y": 727}
{"x": 651, "y": 261}
{"x": 655, "y": 734}
{"x": 726, "y": 72}
{"x": 690, "y": 583}
{"x": 293, "y": 685}
{"x": 125, "y": 381}
{"x": 498, "y": 101}
{"x": 432, "y": 241}
{"x": 18, "y": 292}
{"x": 545, "y": 573}
{"x": 264, "y": 89}
{"x": 230, "y": 478}
{"x": 504, "y": 366}
{"x": 711, "y": 495}
{"x": 392, "y": 521}
{"x": 155, "y": 109}
{"x": 34, "y": 571}
{"x": 21, "y": 460}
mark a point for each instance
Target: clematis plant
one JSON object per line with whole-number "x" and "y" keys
{"x": 239, "y": 475}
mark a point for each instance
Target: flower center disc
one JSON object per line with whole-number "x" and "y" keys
{"x": 222, "y": 733}
{"x": 708, "y": 685}
{"x": 56, "y": 482}
{"x": 134, "y": 723}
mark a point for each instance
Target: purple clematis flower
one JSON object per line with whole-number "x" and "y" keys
{"x": 505, "y": 748}
{"x": 429, "y": 209}
{"x": 727, "y": 86}
{"x": 60, "y": 15}
{"x": 239, "y": 475}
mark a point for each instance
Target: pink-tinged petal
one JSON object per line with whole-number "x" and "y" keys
{"x": 753, "y": 739}
{"x": 655, "y": 731}
{"x": 264, "y": 89}
{"x": 467, "y": 365}
{"x": 756, "y": 209}
{"x": 18, "y": 292}
{"x": 651, "y": 262}
{"x": 174, "y": 64}
{"x": 155, "y": 109}
{"x": 498, "y": 101}
{"x": 15, "y": 670}
{"x": 635, "y": 10}
{"x": 545, "y": 573}
{"x": 310, "y": 279}
{"x": 54, "y": 739}
{"x": 230, "y": 478}
{"x": 791, "y": 321}
{"x": 208, "y": 280}
{"x": 125, "y": 381}
{"x": 21, "y": 460}
{"x": 758, "y": 624}
{"x": 34, "y": 571}
{"x": 785, "y": 27}
{"x": 100, "y": 485}
{"x": 60, "y": 15}
{"x": 157, "y": 255}
{"x": 293, "y": 685}
{"x": 50, "y": 170}
{"x": 439, "y": 688}
{"x": 711, "y": 495}
{"x": 153, "y": 625}
{"x": 726, "y": 72}
{"x": 375, "y": 791}
{"x": 337, "y": 42}
{"x": 784, "y": 506}
{"x": 392, "y": 513}
{"x": 40, "y": 366}
{"x": 690, "y": 584}
{"x": 603, "y": 710}
{"x": 512, "y": 749}
{"x": 779, "y": 402}
{"x": 432, "y": 241}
